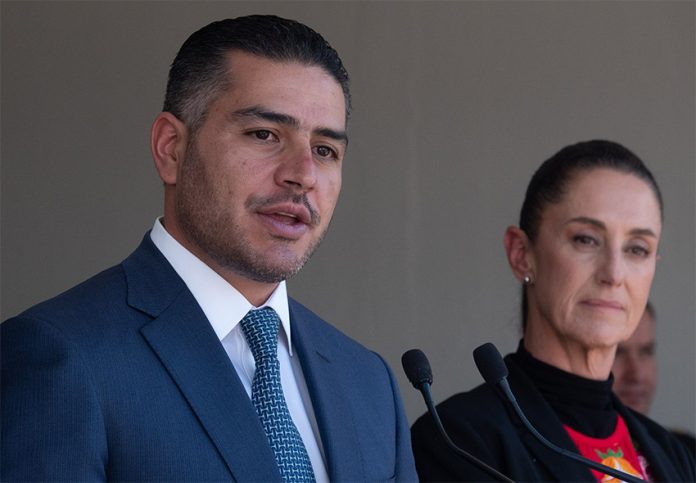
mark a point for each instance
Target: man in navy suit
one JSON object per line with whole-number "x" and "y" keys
{"x": 143, "y": 371}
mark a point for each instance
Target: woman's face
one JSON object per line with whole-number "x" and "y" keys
{"x": 594, "y": 259}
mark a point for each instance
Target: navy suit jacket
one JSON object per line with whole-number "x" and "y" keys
{"x": 123, "y": 378}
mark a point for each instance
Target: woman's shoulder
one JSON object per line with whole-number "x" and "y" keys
{"x": 479, "y": 402}
{"x": 476, "y": 410}
{"x": 638, "y": 423}
{"x": 660, "y": 443}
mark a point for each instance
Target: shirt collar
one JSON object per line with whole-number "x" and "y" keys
{"x": 222, "y": 304}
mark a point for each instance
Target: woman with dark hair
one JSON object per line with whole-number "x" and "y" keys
{"x": 585, "y": 253}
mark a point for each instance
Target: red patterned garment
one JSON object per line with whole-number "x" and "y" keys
{"x": 616, "y": 451}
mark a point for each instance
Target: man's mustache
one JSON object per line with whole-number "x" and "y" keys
{"x": 256, "y": 203}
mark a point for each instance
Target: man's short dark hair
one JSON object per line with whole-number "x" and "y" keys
{"x": 199, "y": 73}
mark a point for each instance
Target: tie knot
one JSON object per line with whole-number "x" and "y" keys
{"x": 260, "y": 327}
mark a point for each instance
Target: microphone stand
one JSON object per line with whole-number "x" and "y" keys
{"x": 417, "y": 369}
{"x": 471, "y": 459}
{"x": 494, "y": 371}
{"x": 608, "y": 470}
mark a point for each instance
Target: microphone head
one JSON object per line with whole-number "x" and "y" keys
{"x": 417, "y": 368}
{"x": 490, "y": 363}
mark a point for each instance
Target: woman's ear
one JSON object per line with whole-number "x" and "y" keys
{"x": 519, "y": 254}
{"x": 168, "y": 140}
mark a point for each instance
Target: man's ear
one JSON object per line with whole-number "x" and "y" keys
{"x": 168, "y": 140}
{"x": 519, "y": 253}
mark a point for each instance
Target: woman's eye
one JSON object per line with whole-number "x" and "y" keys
{"x": 585, "y": 240}
{"x": 639, "y": 251}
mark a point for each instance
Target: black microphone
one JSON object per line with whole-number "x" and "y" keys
{"x": 417, "y": 369}
{"x": 492, "y": 367}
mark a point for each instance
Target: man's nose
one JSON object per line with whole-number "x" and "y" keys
{"x": 298, "y": 168}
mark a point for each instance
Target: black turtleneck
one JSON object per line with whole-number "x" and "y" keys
{"x": 583, "y": 404}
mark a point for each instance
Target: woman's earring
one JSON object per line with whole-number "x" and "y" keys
{"x": 527, "y": 280}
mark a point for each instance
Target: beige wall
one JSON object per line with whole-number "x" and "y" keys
{"x": 456, "y": 103}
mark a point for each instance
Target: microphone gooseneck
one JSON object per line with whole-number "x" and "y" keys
{"x": 492, "y": 367}
{"x": 418, "y": 372}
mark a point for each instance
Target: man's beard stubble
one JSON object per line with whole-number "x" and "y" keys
{"x": 211, "y": 227}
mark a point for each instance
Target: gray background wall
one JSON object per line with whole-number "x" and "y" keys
{"x": 456, "y": 103}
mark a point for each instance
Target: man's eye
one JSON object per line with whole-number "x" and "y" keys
{"x": 647, "y": 352}
{"x": 325, "y": 152}
{"x": 262, "y": 134}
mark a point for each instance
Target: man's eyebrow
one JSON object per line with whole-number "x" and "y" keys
{"x": 339, "y": 136}
{"x": 592, "y": 221}
{"x": 257, "y": 112}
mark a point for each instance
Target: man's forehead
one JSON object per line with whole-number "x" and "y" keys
{"x": 289, "y": 93}
{"x": 261, "y": 66}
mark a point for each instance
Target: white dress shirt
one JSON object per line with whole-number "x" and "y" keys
{"x": 225, "y": 307}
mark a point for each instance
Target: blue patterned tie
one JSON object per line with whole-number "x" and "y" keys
{"x": 261, "y": 331}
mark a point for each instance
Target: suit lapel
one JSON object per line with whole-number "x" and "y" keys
{"x": 333, "y": 412}
{"x": 187, "y": 346}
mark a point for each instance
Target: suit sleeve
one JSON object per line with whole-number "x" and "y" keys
{"x": 52, "y": 425}
{"x": 405, "y": 466}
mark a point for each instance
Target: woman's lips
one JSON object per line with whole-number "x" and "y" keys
{"x": 603, "y": 304}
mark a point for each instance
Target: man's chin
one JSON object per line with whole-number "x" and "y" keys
{"x": 267, "y": 262}
{"x": 271, "y": 273}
